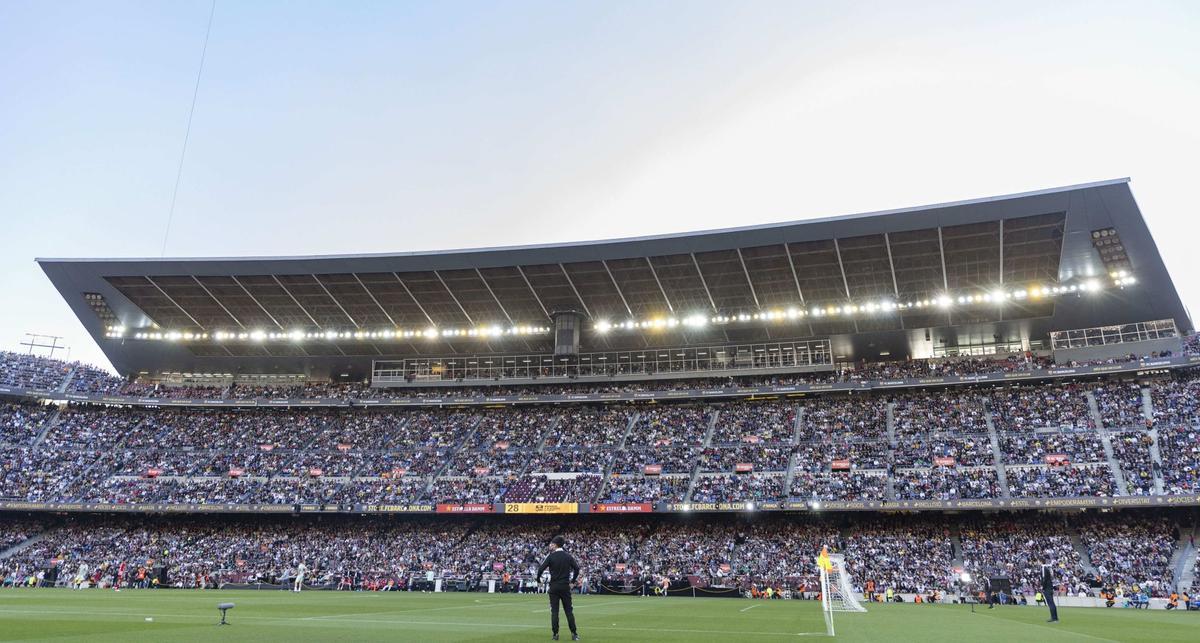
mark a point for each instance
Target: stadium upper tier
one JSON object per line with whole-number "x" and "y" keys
{"x": 1107, "y": 442}
{"x": 1001, "y": 271}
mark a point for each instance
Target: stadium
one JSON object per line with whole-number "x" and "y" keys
{"x": 941, "y": 398}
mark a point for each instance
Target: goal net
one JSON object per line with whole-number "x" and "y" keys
{"x": 837, "y": 595}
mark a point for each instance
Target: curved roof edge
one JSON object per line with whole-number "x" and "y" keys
{"x": 593, "y": 242}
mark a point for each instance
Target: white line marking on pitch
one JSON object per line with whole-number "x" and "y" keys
{"x": 477, "y": 605}
{"x": 465, "y": 624}
{"x": 547, "y": 610}
{"x": 747, "y": 609}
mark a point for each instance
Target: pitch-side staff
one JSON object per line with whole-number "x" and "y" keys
{"x": 563, "y": 572}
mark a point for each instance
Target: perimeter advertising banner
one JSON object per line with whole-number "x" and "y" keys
{"x": 541, "y": 508}
{"x": 470, "y": 508}
{"x": 622, "y": 508}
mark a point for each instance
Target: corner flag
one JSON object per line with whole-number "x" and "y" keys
{"x": 823, "y": 559}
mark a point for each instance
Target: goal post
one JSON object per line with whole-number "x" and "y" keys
{"x": 837, "y": 593}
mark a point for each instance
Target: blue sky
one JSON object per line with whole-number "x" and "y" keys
{"x": 345, "y": 127}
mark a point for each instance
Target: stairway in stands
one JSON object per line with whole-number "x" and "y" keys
{"x": 797, "y": 429}
{"x": 24, "y": 544}
{"x": 997, "y": 453}
{"x": 1183, "y": 563}
{"x": 1106, "y": 441}
{"x": 1155, "y": 454}
{"x": 1084, "y": 558}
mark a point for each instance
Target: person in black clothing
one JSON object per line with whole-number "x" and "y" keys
{"x": 563, "y": 572}
{"x": 1048, "y": 590}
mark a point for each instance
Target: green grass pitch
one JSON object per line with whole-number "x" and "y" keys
{"x": 190, "y": 615}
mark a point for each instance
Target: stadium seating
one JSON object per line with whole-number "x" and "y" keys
{"x": 912, "y": 554}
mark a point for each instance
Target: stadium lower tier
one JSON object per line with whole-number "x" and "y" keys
{"x": 1106, "y": 439}
{"x": 1124, "y": 551}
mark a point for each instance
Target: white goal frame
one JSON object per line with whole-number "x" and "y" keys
{"x": 837, "y": 595}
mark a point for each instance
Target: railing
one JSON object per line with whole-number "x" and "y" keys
{"x": 1108, "y": 335}
{"x": 700, "y": 361}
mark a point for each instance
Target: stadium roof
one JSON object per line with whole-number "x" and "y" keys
{"x": 873, "y": 283}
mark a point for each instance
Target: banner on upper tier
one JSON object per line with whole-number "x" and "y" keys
{"x": 541, "y": 508}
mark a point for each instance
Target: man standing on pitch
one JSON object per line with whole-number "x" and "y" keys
{"x": 1048, "y": 590}
{"x": 563, "y": 572}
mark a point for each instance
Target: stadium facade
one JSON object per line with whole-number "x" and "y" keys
{"x": 1027, "y": 355}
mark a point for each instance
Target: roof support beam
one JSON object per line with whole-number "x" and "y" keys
{"x": 175, "y": 303}
{"x": 945, "y": 278}
{"x": 534, "y": 293}
{"x": 494, "y": 297}
{"x": 660, "y": 286}
{"x": 456, "y": 301}
{"x": 887, "y": 241}
{"x": 795, "y": 277}
{"x": 748, "y": 281}
{"x": 703, "y": 282}
{"x": 218, "y": 302}
{"x": 256, "y": 301}
{"x": 942, "y": 254}
{"x": 296, "y": 301}
{"x": 410, "y": 296}
{"x": 1001, "y": 252}
{"x": 576, "y": 290}
{"x": 618, "y": 287}
{"x": 372, "y": 296}
{"x": 335, "y": 301}
{"x": 837, "y": 248}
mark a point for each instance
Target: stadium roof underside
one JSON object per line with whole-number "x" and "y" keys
{"x": 902, "y": 272}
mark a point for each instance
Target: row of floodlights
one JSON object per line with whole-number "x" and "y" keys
{"x": 1120, "y": 279}
{"x": 116, "y": 332}
{"x": 945, "y": 301}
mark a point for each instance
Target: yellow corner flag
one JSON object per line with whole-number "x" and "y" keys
{"x": 823, "y": 559}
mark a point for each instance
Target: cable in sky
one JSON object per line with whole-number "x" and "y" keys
{"x": 188, "y": 133}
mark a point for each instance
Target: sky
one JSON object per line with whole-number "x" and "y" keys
{"x": 354, "y": 127}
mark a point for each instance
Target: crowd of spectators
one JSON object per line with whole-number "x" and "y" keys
{"x": 1132, "y": 553}
{"x": 970, "y": 451}
{"x": 22, "y": 422}
{"x": 90, "y": 380}
{"x": 1120, "y": 405}
{"x": 1011, "y": 547}
{"x": 1042, "y": 481}
{"x": 910, "y": 554}
{"x": 1079, "y": 447}
{"x": 925, "y": 413}
{"x": 645, "y": 489}
{"x": 1179, "y": 448}
{"x": 1048, "y": 406}
{"x": 946, "y": 483}
{"x": 31, "y": 371}
{"x": 850, "y": 486}
{"x": 941, "y": 448}
{"x": 734, "y": 487}
{"x": 844, "y": 418}
{"x": 767, "y": 422}
{"x": 1132, "y": 450}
